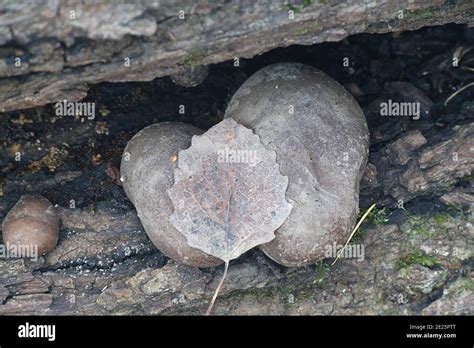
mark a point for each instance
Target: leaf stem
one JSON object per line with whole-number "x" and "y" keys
{"x": 211, "y": 304}
{"x": 457, "y": 92}
{"x": 354, "y": 231}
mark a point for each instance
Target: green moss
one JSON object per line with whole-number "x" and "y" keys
{"x": 404, "y": 272}
{"x": 419, "y": 226}
{"x": 416, "y": 257}
{"x": 429, "y": 12}
{"x": 421, "y": 13}
{"x": 359, "y": 235}
{"x": 321, "y": 272}
{"x": 297, "y": 8}
{"x": 377, "y": 217}
{"x": 441, "y": 218}
{"x": 422, "y": 230}
{"x": 468, "y": 178}
{"x": 193, "y": 58}
{"x": 438, "y": 224}
{"x": 466, "y": 284}
{"x": 307, "y": 28}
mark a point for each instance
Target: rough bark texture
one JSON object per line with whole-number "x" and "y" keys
{"x": 416, "y": 264}
{"x": 421, "y": 262}
{"x": 62, "y": 52}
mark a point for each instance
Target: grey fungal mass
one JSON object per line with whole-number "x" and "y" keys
{"x": 147, "y": 170}
{"x": 321, "y": 139}
{"x": 319, "y": 136}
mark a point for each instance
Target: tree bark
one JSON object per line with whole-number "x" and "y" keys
{"x": 54, "y": 50}
{"x": 105, "y": 264}
{"x": 419, "y": 262}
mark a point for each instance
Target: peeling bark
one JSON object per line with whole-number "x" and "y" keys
{"x": 419, "y": 263}
{"x": 62, "y": 52}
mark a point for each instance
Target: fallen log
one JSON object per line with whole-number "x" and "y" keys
{"x": 54, "y": 50}
{"x": 105, "y": 264}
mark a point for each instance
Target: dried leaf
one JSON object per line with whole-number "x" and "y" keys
{"x": 229, "y": 194}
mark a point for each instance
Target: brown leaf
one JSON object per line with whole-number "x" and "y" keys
{"x": 229, "y": 194}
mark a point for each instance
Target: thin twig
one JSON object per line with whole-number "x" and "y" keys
{"x": 211, "y": 304}
{"x": 457, "y": 92}
{"x": 354, "y": 231}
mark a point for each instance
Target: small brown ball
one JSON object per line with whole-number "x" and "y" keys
{"x": 33, "y": 221}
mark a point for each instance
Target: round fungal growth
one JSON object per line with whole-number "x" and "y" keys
{"x": 191, "y": 77}
{"x": 32, "y": 222}
{"x": 321, "y": 139}
{"x": 147, "y": 170}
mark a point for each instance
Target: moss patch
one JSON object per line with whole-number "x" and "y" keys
{"x": 193, "y": 58}
{"x": 465, "y": 285}
{"x": 297, "y": 8}
{"x": 377, "y": 217}
{"x": 313, "y": 26}
{"x": 429, "y": 12}
{"x": 441, "y": 218}
{"x": 414, "y": 258}
{"x": 321, "y": 272}
{"x": 359, "y": 235}
{"x": 419, "y": 226}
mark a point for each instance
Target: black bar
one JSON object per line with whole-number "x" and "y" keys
{"x": 243, "y": 330}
